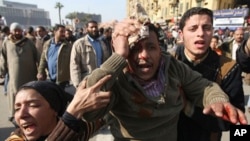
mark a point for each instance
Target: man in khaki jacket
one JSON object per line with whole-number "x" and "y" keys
{"x": 55, "y": 59}
{"x": 87, "y": 54}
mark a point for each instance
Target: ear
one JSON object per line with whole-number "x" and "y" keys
{"x": 180, "y": 32}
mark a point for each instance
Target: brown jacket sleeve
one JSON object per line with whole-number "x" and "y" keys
{"x": 63, "y": 133}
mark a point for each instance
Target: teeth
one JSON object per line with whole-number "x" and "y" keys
{"x": 28, "y": 129}
{"x": 26, "y": 126}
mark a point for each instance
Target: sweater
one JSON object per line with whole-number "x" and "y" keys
{"x": 133, "y": 115}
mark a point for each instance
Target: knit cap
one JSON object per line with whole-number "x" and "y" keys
{"x": 53, "y": 93}
{"x": 14, "y": 26}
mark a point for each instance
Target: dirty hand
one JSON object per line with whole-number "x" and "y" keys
{"x": 226, "y": 111}
{"x": 122, "y": 31}
{"x": 89, "y": 99}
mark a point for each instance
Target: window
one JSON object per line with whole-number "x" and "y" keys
{"x": 199, "y": 4}
{"x": 187, "y": 6}
{"x": 181, "y": 7}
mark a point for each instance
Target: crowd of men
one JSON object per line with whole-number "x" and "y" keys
{"x": 163, "y": 82}
{"x": 36, "y": 55}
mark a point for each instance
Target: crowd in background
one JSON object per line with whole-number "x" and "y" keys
{"x": 169, "y": 38}
{"x": 66, "y": 56}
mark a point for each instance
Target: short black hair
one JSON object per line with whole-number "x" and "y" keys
{"x": 195, "y": 11}
{"x": 5, "y": 29}
{"x": 101, "y": 30}
{"x": 57, "y": 26}
{"x": 91, "y": 21}
{"x": 30, "y": 29}
{"x": 216, "y": 37}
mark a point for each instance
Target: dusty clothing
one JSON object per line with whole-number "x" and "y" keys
{"x": 203, "y": 125}
{"x": 31, "y": 37}
{"x": 83, "y": 59}
{"x": 20, "y": 59}
{"x": 63, "y": 60}
{"x": 135, "y": 115}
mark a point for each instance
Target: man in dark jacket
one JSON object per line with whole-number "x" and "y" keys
{"x": 243, "y": 58}
{"x": 196, "y": 28}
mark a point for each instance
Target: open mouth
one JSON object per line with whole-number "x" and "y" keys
{"x": 200, "y": 42}
{"x": 144, "y": 67}
{"x": 28, "y": 128}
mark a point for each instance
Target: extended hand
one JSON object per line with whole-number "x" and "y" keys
{"x": 88, "y": 99}
{"x": 226, "y": 111}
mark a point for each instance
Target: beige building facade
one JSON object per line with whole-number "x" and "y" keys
{"x": 173, "y": 9}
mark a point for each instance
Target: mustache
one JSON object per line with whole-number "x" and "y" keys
{"x": 144, "y": 61}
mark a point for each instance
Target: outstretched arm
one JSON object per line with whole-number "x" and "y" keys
{"x": 89, "y": 99}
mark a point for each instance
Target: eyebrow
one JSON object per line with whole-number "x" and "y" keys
{"x": 30, "y": 101}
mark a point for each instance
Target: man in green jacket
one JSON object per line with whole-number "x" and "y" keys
{"x": 147, "y": 87}
{"x": 55, "y": 58}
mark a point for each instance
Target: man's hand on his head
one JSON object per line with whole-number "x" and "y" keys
{"x": 122, "y": 31}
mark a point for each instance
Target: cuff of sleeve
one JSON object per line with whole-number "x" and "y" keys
{"x": 71, "y": 121}
{"x": 114, "y": 63}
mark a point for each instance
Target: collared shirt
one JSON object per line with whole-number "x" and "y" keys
{"x": 52, "y": 59}
{"x": 98, "y": 49}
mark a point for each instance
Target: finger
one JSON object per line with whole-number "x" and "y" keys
{"x": 126, "y": 27}
{"x": 230, "y": 113}
{"x": 101, "y": 103}
{"x": 101, "y": 82}
{"x": 104, "y": 95}
{"x": 213, "y": 110}
{"x": 217, "y": 109}
{"x": 207, "y": 110}
{"x": 242, "y": 117}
